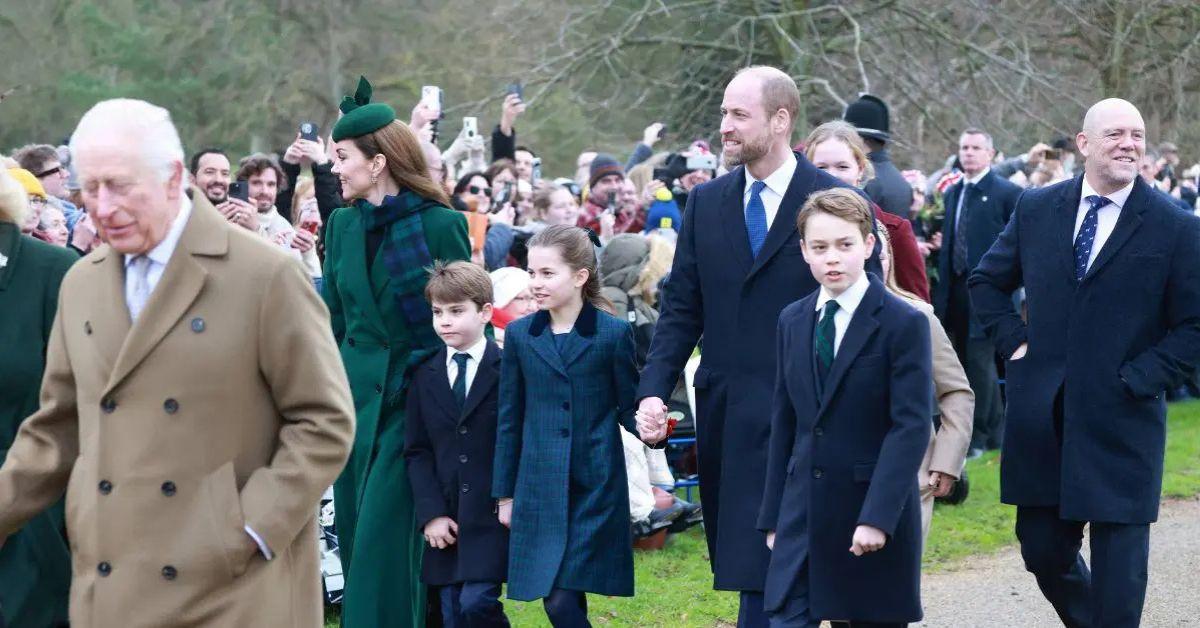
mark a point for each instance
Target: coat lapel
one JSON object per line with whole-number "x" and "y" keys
{"x": 181, "y": 283}
{"x": 485, "y": 378}
{"x": 1128, "y": 222}
{"x": 805, "y": 352}
{"x": 578, "y": 342}
{"x": 733, "y": 217}
{"x": 862, "y": 326}
{"x": 1065, "y": 210}
{"x": 784, "y": 224}
{"x": 109, "y": 316}
{"x": 542, "y": 341}
{"x": 357, "y": 274}
{"x": 440, "y": 381}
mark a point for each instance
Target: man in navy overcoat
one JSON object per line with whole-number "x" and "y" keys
{"x": 737, "y": 265}
{"x": 1111, "y": 271}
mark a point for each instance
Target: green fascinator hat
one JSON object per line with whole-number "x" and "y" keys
{"x": 361, "y": 116}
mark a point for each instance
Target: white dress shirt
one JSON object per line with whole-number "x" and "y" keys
{"x": 963, "y": 194}
{"x": 159, "y": 256}
{"x": 777, "y": 185}
{"x": 1106, "y": 217}
{"x": 847, "y": 302}
{"x": 475, "y": 352}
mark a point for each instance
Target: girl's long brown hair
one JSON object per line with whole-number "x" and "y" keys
{"x": 575, "y": 247}
{"x": 405, "y": 160}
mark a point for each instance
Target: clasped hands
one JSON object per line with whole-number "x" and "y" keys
{"x": 651, "y": 418}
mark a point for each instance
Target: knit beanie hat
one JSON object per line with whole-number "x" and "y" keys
{"x": 602, "y": 166}
{"x": 507, "y": 283}
{"x": 663, "y": 213}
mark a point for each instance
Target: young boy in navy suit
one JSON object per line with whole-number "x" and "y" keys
{"x": 850, "y": 423}
{"x": 450, "y": 445}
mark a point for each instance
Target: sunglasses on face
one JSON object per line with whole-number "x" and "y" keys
{"x": 59, "y": 169}
{"x": 474, "y": 189}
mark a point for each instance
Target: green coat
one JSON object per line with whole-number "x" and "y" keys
{"x": 376, "y": 523}
{"x": 35, "y": 567}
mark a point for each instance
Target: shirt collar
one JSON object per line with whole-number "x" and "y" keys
{"x": 979, "y": 177}
{"x": 161, "y": 254}
{"x": 1118, "y": 198}
{"x": 475, "y": 351}
{"x": 849, "y": 299}
{"x": 779, "y": 180}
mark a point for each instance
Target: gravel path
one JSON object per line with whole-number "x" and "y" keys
{"x": 997, "y": 591}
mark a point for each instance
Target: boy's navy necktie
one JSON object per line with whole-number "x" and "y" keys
{"x": 460, "y": 380}
{"x": 756, "y": 218}
{"x": 1087, "y": 235}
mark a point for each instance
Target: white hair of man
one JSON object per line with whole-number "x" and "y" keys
{"x": 150, "y": 125}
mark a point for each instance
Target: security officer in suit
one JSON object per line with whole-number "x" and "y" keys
{"x": 1111, "y": 270}
{"x": 870, "y": 117}
{"x": 192, "y": 431}
{"x": 977, "y": 208}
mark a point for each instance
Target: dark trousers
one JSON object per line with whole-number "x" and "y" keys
{"x": 1112, "y": 592}
{"x": 566, "y": 609}
{"x": 796, "y": 612}
{"x": 750, "y": 610}
{"x": 978, "y": 358}
{"x": 472, "y": 605}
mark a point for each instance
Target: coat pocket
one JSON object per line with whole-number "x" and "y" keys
{"x": 864, "y": 471}
{"x": 228, "y": 521}
{"x": 703, "y": 379}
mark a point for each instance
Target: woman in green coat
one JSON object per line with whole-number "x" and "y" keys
{"x": 376, "y": 253}
{"x": 35, "y": 567}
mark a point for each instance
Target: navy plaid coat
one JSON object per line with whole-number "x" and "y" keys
{"x": 559, "y": 455}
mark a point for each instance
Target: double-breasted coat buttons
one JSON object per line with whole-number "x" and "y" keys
{"x": 108, "y": 405}
{"x": 104, "y": 568}
{"x": 171, "y": 406}
{"x": 197, "y": 324}
{"x": 105, "y": 487}
{"x": 168, "y": 489}
{"x": 169, "y": 573}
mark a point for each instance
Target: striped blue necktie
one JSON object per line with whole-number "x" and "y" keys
{"x": 756, "y": 218}
{"x": 1087, "y": 235}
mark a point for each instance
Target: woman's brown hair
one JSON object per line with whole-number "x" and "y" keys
{"x": 575, "y": 247}
{"x": 405, "y": 160}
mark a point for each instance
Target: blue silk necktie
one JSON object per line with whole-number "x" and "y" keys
{"x": 1087, "y": 235}
{"x": 756, "y": 218}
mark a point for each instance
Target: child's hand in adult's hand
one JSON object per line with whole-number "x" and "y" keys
{"x": 504, "y": 512}
{"x": 650, "y": 429}
{"x": 867, "y": 539}
{"x": 441, "y": 532}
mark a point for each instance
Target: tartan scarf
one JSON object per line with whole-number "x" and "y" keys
{"x": 406, "y": 257}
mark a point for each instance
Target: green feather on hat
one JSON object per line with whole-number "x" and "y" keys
{"x": 361, "y": 116}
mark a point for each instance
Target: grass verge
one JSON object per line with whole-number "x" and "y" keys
{"x": 674, "y": 586}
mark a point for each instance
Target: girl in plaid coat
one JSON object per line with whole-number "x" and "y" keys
{"x": 566, "y": 387}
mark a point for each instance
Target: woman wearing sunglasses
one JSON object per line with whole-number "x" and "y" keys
{"x": 473, "y": 195}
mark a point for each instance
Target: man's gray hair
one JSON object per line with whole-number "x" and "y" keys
{"x": 972, "y": 130}
{"x": 149, "y": 124}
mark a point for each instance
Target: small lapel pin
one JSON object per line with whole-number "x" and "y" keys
{"x": 197, "y": 324}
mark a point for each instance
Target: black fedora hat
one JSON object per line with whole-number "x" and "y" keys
{"x": 869, "y": 115}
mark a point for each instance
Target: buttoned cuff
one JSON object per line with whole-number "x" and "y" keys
{"x": 262, "y": 545}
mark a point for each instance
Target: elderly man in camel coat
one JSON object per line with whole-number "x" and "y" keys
{"x": 192, "y": 428}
